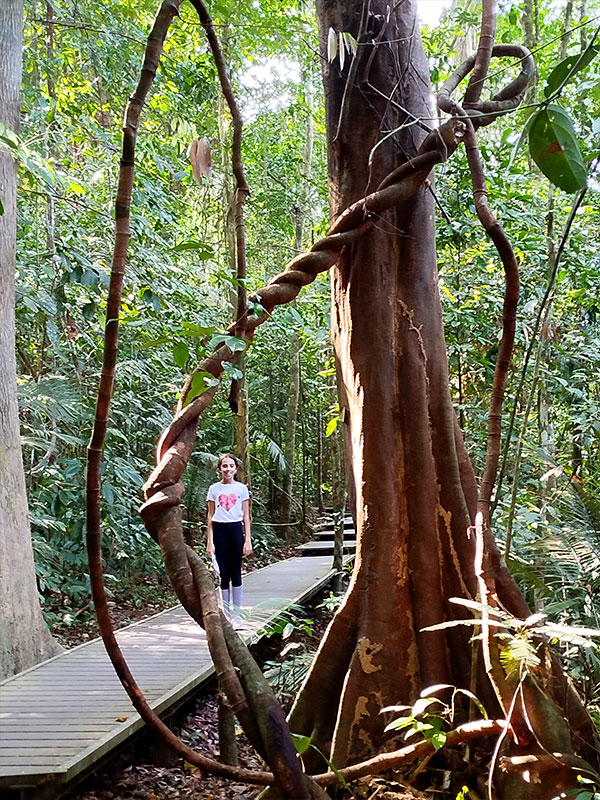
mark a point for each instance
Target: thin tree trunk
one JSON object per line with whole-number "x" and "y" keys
{"x": 234, "y": 199}
{"x": 583, "y": 38}
{"x": 545, "y": 421}
{"x": 319, "y": 437}
{"x": 338, "y": 500}
{"x": 287, "y": 478}
{"x": 294, "y": 347}
{"x": 24, "y": 637}
{"x": 228, "y": 749}
{"x": 528, "y": 23}
{"x": 545, "y": 404}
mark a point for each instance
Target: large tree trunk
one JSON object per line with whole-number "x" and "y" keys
{"x": 411, "y": 507}
{"x": 415, "y": 489}
{"x": 24, "y": 637}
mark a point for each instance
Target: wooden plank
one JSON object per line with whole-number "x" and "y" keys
{"x": 40, "y": 750}
{"x": 61, "y": 716}
{"x": 51, "y": 727}
{"x": 27, "y": 774}
{"x": 21, "y": 740}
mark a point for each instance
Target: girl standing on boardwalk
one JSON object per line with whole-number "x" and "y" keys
{"x": 229, "y": 532}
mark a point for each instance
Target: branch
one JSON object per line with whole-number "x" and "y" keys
{"x": 168, "y": 10}
{"x": 541, "y": 311}
{"x": 546, "y": 762}
{"x": 489, "y": 20}
{"x": 385, "y": 761}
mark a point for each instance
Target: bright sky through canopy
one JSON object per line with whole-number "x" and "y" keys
{"x": 430, "y": 10}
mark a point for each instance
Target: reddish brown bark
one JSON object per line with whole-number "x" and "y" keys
{"x": 264, "y": 723}
{"x": 415, "y": 489}
{"x": 411, "y": 511}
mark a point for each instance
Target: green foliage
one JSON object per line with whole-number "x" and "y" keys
{"x": 290, "y": 620}
{"x": 519, "y": 640}
{"x": 302, "y": 743}
{"x": 178, "y": 277}
{"x": 331, "y": 602}
{"x": 568, "y": 68}
{"x": 553, "y": 147}
{"x": 590, "y": 789}
{"x": 430, "y": 717}
{"x": 287, "y": 673}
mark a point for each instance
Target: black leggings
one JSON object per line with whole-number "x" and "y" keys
{"x": 229, "y": 545}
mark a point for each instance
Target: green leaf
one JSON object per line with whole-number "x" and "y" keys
{"x": 200, "y": 331}
{"x": 201, "y": 381}
{"x": 554, "y": 148}
{"x": 333, "y": 768}
{"x": 430, "y": 690}
{"x": 233, "y": 372}
{"x": 1, "y": 208}
{"x": 89, "y": 278}
{"x": 89, "y": 310}
{"x": 108, "y": 493}
{"x": 8, "y": 137}
{"x": 331, "y": 426}
{"x": 394, "y": 708}
{"x": 150, "y": 299}
{"x": 423, "y": 704}
{"x": 569, "y": 67}
{"x": 203, "y": 250}
{"x": 287, "y": 631}
{"x": 475, "y": 699}
{"x": 232, "y": 342}
{"x": 438, "y": 739}
{"x": 398, "y": 724}
{"x": 301, "y": 743}
{"x": 181, "y": 354}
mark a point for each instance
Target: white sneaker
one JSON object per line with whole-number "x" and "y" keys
{"x": 237, "y": 623}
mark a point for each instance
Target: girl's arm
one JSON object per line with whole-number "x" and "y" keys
{"x": 210, "y": 544}
{"x": 247, "y": 529}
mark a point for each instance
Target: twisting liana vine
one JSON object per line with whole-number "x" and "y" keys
{"x": 247, "y": 691}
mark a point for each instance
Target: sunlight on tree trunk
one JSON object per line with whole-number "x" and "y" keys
{"x": 411, "y": 504}
{"x": 24, "y": 637}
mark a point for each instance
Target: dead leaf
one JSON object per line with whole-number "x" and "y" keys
{"x": 201, "y": 158}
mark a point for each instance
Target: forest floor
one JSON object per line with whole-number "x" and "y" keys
{"x": 132, "y": 775}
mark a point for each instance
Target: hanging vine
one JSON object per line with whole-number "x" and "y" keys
{"x": 248, "y": 693}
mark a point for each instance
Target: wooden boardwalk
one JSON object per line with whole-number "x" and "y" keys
{"x": 62, "y": 716}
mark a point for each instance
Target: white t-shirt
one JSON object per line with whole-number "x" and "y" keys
{"x": 229, "y": 501}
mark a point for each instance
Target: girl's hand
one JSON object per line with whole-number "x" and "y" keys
{"x": 210, "y": 549}
{"x": 247, "y": 549}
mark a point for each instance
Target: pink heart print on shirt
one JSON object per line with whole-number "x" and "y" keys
{"x": 227, "y": 501}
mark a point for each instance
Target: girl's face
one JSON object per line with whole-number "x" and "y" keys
{"x": 228, "y": 469}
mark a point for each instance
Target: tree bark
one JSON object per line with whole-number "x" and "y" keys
{"x": 415, "y": 491}
{"x": 287, "y": 478}
{"x": 411, "y": 512}
{"x": 24, "y": 637}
